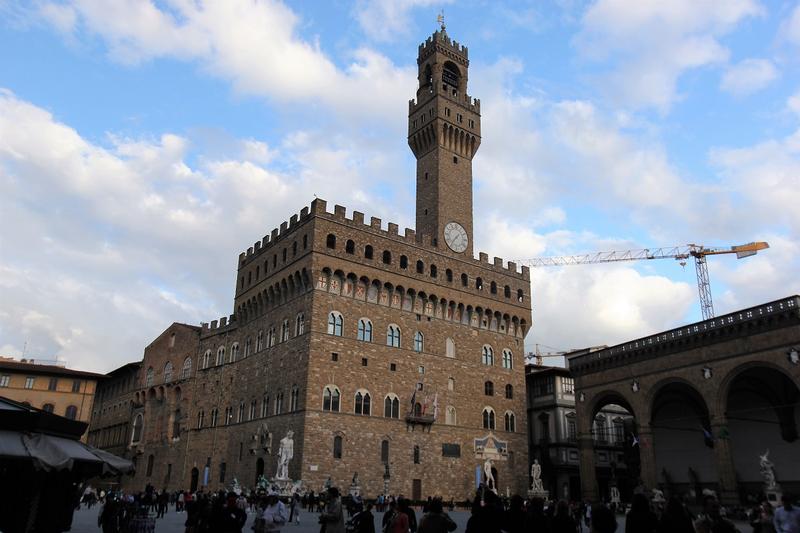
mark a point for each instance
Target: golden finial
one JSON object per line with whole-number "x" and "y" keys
{"x": 440, "y": 19}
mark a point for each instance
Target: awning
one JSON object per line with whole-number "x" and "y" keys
{"x": 49, "y": 452}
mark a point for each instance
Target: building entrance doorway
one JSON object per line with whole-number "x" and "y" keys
{"x": 259, "y": 469}
{"x": 416, "y": 489}
{"x": 195, "y": 478}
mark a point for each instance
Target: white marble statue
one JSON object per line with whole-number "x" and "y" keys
{"x": 767, "y": 470}
{"x": 536, "y": 476}
{"x": 488, "y": 477}
{"x": 285, "y": 454}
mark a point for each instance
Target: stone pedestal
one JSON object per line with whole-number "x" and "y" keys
{"x": 538, "y": 493}
{"x": 774, "y": 496}
{"x": 355, "y": 490}
{"x": 286, "y": 487}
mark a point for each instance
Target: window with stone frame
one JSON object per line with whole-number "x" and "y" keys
{"x": 214, "y": 415}
{"x": 567, "y": 385}
{"x": 391, "y": 406}
{"x": 265, "y": 406}
{"x": 279, "y": 403}
{"x": 509, "y": 391}
{"x": 487, "y": 355}
{"x": 295, "y": 398}
{"x": 285, "y": 330}
{"x": 240, "y": 416}
{"x": 330, "y": 241}
{"x": 299, "y": 324}
{"x": 349, "y": 247}
{"x": 168, "y": 372}
{"x": 393, "y": 336}
{"x": 149, "y": 377}
{"x": 416, "y": 455}
{"x": 362, "y": 403}
{"x": 337, "y": 447}
{"x": 201, "y": 416}
{"x": 335, "y": 323}
{"x": 508, "y": 359}
{"x": 510, "y": 422}
{"x": 419, "y": 342}
{"x": 488, "y": 388}
{"x": 253, "y": 408}
{"x": 365, "y": 330}
{"x": 331, "y": 398}
{"x": 234, "y": 352}
{"x": 138, "y": 424}
{"x": 220, "y": 355}
{"x": 271, "y": 337}
{"x": 449, "y": 347}
{"x": 488, "y": 418}
{"x": 450, "y": 416}
{"x": 384, "y": 451}
{"x": 248, "y": 344}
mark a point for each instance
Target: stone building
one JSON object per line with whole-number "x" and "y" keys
{"x": 553, "y": 436}
{"x": 52, "y": 388}
{"x": 709, "y": 400}
{"x": 111, "y": 420}
{"x": 394, "y": 355}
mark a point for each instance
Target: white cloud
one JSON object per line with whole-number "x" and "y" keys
{"x": 389, "y": 20}
{"x": 253, "y": 44}
{"x": 646, "y": 46}
{"x": 793, "y": 103}
{"x": 790, "y": 29}
{"x": 748, "y": 76}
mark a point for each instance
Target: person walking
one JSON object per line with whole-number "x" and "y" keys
{"x": 363, "y": 521}
{"x": 294, "y": 508}
{"x": 333, "y": 516}
{"x": 713, "y": 521}
{"x": 787, "y": 517}
{"x": 230, "y": 518}
{"x": 273, "y": 515}
{"x": 404, "y": 507}
{"x": 603, "y": 520}
{"x": 514, "y": 517}
{"x": 436, "y": 520}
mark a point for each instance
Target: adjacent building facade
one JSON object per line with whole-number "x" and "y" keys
{"x": 55, "y": 389}
{"x": 394, "y": 355}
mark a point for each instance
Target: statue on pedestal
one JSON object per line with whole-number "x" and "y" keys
{"x": 536, "y": 476}
{"x": 768, "y": 471}
{"x": 488, "y": 477}
{"x": 285, "y": 454}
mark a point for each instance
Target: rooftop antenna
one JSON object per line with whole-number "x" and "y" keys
{"x": 440, "y": 19}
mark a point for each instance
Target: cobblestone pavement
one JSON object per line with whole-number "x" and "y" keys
{"x": 85, "y": 521}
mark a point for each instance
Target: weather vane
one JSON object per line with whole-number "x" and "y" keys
{"x": 440, "y": 19}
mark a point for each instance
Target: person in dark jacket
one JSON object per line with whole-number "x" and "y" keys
{"x": 676, "y": 518}
{"x": 230, "y": 518}
{"x": 404, "y": 507}
{"x": 535, "y": 519}
{"x": 364, "y": 521}
{"x": 641, "y": 519}
{"x": 603, "y": 520}
{"x": 436, "y": 520}
{"x": 514, "y": 517}
{"x": 562, "y": 521}
{"x": 486, "y": 514}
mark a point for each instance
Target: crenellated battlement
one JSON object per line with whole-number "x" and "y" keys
{"x": 442, "y": 39}
{"x": 275, "y": 236}
{"x": 472, "y": 104}
{"x": 216, "y": 327}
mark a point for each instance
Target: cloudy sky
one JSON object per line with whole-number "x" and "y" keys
{"x": 144, "y": 144}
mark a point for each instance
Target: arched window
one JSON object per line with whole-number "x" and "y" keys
{"x": 419, "y": 342}
{"x": 507, "y": 291}
{"x": 420, "y": 267}
{"x": 337, "y": 447}
{"x": 464, "y": 280}
{"x": 520, "y": 296}
{"x": 479, "y": 284}
{"x": 248, "y": 346}
{"x": 511, "y": 423}
{"x": 201, "y": 415}
{"x": 391, "y": 406}
{"x": 335, "y": 323}
{"x": 488, "y": 388}
{"x": 510, "y": 391}
{"x": 330, "y": 398}
{"x": 149, "y": 377}
{"x": 450, "y": 416}
{"x": 451, "y": 384}
{"x": 330, "y": 242}
{"x": 138, "y": 422}
{"x": 448, "y": 275}
{"x": 240, "y": 414}
{"x": 220, "y": 355}
{"x": 48, "y": 408}
{"x": 493, "y": 288}
{"x": 350, "y": 247}
{"x": 387, "y": 257}
{"x": 393, "y": 336}
{"x": 168, "y": 372}
{"x": 285, "y": 330}
{"x": 234, "y": 353}
{"x": 384, "y": 451}
{"x": 295, "y": 398}
{"x": 403, "y": 262}
{"x": 206, "y": 359}
{"x": 434, "y": 271}
{"x": 299, "y": 324}
{"x": 150, "y": 461}
{"x": 449, "y": 347}
{"x": 487, "y": 357}
{"x": 294, "y": 248}
{"x": 279, "y": 403}
{"x": 488, "y": 418}
{"x": 416, "y": 454}
{"x": 365, "y": 330}
{"x": 265, "y": 406}
{"x": 368, "y": 252}
{"x": 214, "y": 413}
{"x": 508, "y": 359}
{"x": 362, "y": 406}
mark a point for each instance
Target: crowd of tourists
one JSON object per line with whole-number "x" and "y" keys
{"x": 227, "y": 512}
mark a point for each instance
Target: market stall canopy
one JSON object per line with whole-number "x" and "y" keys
{"x": 51, "y": 442}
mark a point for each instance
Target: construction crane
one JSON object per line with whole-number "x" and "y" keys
{"x": 679, "y": 253}
{"x": 538, "y": 357}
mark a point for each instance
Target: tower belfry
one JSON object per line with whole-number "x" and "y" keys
{"x": 444, "y": 126}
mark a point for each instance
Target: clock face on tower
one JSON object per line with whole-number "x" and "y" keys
{"x": 456, "y": 237}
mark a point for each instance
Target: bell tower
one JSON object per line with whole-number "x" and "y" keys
{"x": 444, "y": 132}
